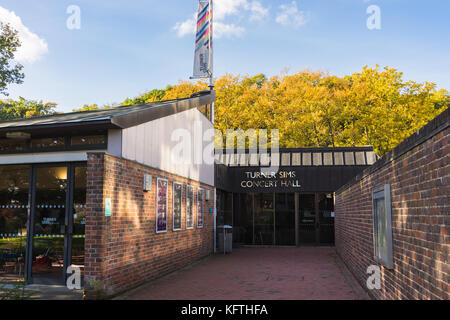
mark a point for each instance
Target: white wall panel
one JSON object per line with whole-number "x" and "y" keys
{"x": 150, "y": 143}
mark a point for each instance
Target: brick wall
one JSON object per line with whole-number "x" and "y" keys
{"x": 124, "y": 250}
{"x": 419, "y": 175}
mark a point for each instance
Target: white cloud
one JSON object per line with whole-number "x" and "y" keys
{"x": 258, "y": 11}
{"x": 186, "y": 27}
{"x": 32, "y": 46}
{"x": 227, "y": 30}
{"x": 224, "y": 9}
{"x": 291, "y": 16}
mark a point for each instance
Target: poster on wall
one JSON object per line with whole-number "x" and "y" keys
{"x": 161, "y": 205}
{"x": 189, "y": 207}
{"x": 177, "y": 195}
{"x": 200, "y": 208}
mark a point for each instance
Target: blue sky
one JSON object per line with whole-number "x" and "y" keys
{"x": 125, "y": 48}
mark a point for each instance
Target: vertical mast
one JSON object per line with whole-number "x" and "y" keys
{"x": 211, "y": 57}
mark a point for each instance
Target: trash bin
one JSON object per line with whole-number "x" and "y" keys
{"x": 225, "y": 241}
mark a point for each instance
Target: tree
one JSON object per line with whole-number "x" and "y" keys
{"x": 9, "y": 72}
{"x": 91, "y": 107}
{"x": 375, "y": 107}
{"x": 10, "y": 109}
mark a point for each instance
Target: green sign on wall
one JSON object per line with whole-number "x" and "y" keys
{"x": 107, "y": 207}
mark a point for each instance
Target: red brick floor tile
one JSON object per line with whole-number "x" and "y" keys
{"x": 256, "y": 273}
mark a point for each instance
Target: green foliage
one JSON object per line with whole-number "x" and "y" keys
{"x": 10, "y": 109}
{"x": 9, "y": 72}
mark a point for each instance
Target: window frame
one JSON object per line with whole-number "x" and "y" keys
{"x": 383, "y": 193}
{"x": 67, "y": 144}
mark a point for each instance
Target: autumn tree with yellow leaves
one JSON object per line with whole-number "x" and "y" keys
{"x": 312, "y": 109}
{"x": 376, "y": 106}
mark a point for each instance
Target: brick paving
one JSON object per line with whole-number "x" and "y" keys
{"x": 258, "y": 274}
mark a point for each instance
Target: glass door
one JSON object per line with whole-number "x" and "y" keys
{"x": 285, "y": 219}
{"x": 77, "y": 220}
{"x": 264, "y": 219}
{"x": 326, "y": 219}
{"x": 307, "y": 219}
{"x": 58, "y": 219}
{"x": 49, "y": 226}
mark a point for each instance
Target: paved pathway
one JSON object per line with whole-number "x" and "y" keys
{"x": 258, "y": 273}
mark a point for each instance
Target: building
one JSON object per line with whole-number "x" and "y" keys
{"x": 102, "y": 192}
{"x": 291, "y": 204}
{"x": 99, "y": 191}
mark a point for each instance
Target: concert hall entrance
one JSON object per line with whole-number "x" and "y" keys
{"x": 280, "y": 219}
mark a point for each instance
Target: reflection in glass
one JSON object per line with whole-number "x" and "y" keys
{"x": 88, "y": 140}
{"x": 264, "y": 219}
{"x": 326, "y": 218}
{"x": 11, "y": 145}
{"x": 14, "y": 185}
{"x": 47, "y": 142}
{"x": 49, "y": 223}
{"x": 79, "y": 218}
{"x": 242, "y": 217}
{"x": 285, "y": 219}
{"x": 307, "y": 219}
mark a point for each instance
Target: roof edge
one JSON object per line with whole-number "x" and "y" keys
{"x": 135, "y": 118}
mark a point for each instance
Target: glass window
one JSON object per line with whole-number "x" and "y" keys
{"x": 382, "y": 225}
{"x": 14, "y": 186}
{"x": 88, "y": 140}
{"x": 47, "y": 142}
{"x": 10, "y": 145}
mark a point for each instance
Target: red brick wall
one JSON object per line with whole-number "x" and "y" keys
{"x": 420, "y": 188}
{"x": 124, "y": 250}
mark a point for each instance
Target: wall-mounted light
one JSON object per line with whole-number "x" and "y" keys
{"x": 207, "y": 195}
{"x": 61, "y": 173}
